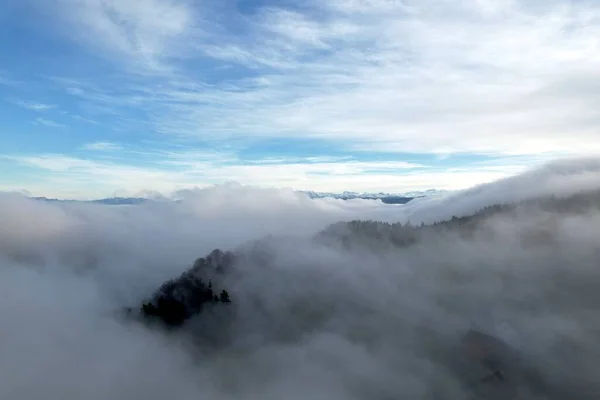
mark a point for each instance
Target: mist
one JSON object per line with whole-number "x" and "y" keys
{"x": 308, "y": 320}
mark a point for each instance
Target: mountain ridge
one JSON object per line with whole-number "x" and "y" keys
{"x": 183, "y": 297}
{"x": 385, "y": 197}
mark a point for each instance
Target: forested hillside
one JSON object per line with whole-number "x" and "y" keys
{"x": 185, "y": 296}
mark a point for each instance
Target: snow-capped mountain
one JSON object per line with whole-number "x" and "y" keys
{"x": 391, "y": 198}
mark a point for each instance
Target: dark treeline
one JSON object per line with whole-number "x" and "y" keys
{"x": 179, "y": 299}
{"x": 380, "y": 234}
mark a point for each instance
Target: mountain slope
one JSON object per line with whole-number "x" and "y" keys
{"x": 181, "y": 298}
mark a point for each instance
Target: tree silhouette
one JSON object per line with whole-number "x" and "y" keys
{"x": 224, "y": 297}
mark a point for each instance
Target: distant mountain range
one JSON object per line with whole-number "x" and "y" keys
{"x": 388, "y": 198}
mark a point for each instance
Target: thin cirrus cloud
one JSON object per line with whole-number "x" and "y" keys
{"x": 48, "y": 123}
{"x": 102, "y": 146}
{"x": 141, "y": 32}
{"x": 474, "y": 76}
{"x": 368, "y": 81}
{"x": 34, "y": 106}
{"x": 171, "y": 172}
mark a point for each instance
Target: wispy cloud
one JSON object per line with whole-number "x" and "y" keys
{"x": 48, "y": 123}
{"x": 169, "y": 172}
{"x": 9, "y": 81}
{"x": 413, "y": 76}
{"x": 84, "y": 119}
{"x": 102, "y": 146}
{"x": 143, "y": 33}
{"x": 35, "y": 106}
{"x": 322, "y": 159}
{"x": 75, "y": 91}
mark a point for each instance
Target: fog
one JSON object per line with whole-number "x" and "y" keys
{"x": 309, "y": 321}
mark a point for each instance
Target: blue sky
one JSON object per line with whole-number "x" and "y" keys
{"x": 119, "y": 97}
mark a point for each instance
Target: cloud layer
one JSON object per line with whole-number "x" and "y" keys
{"x": 475, "y": 76}
{"x": 313, "y": 321}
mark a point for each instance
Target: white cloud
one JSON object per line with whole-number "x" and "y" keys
{"x": 309, "y": 320}
{"x": 75, "y": 91}
{"x": 438, "y": 76}
{"x": 48, "y": 123}
{"x": 9, "y": 81}
{"x": 68, "y": 176}
{"x": 562, "y": 178}
{"x": 84, "y": 119}
{"x": 102, "y": 146}
{"x": 141, "y": 32}
{"x": 34, "y": 105}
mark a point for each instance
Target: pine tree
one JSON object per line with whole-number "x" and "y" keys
{"x": 224, "y": 298}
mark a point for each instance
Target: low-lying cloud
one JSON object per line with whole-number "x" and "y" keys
{"x": 312, "y": 321}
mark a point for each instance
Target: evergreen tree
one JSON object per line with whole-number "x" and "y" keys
{"x": 224, "y": 297}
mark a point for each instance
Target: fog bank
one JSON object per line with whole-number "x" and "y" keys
{"x": 309, "y": 321}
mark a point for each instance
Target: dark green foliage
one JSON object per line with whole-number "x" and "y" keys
{"x": 171, "y": 311}
{"x": 177, "y": 300}
{"x": 224, "y": 297}
{"x": 371, "y": 233}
